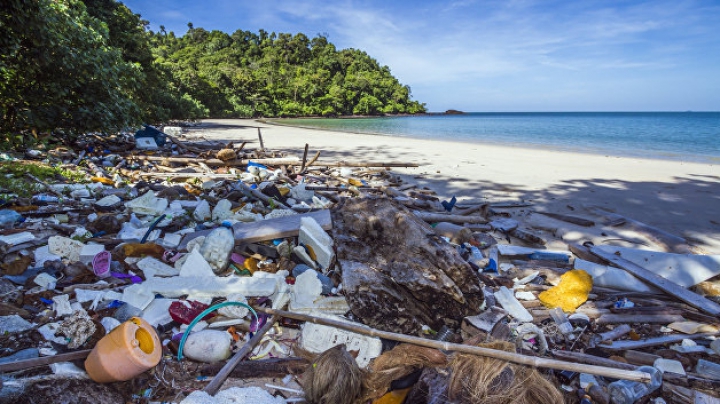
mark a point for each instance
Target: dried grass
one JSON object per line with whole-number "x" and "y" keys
{"x": 398, "y": 363}
{"x": 333, "y": 378}
{"x": 477, "y": 379}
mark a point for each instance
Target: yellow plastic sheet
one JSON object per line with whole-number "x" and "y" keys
{"x": 570, "y": 293}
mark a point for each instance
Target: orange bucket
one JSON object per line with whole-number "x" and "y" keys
{"x": 127, "y": 351}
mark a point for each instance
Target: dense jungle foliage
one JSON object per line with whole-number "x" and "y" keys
{"x": 93, "y": 65}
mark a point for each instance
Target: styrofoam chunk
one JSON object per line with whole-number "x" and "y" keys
{"x": 89, "y": 251}
{"x": 61, "y": 305}
{"x": 196, "y": 266}
{"x": 45, "y": 281}
{"x": 152, "y": 267}
{"x": 306, "y": 290}
{"x": 318, "y": 338}
{"x": 42, "y": 255}
{"x": 65, "y": 247}
{"x": 148, "y": 204}
{"x": 17, "y": 238}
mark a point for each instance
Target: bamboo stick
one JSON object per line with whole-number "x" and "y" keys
{"x": 220, "y": 378}
{"x": 473, "y": 350}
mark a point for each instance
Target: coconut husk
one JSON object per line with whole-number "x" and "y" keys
{"x": 333, "y": 378}
{"x": 397, "y": 363}
{"x": 226, "y": 154}
{"x": 477, "y": 379}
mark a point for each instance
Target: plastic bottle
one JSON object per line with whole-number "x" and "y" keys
{"x": 44, "y": 199}
{"x": 477, "y": 257}
{"x": 627, "y": 392}
{"x": 561, "y": 320}
{"x": 8, "y": 217}
{"x": 217, "y": 247}
{"x": 127, "y": 351}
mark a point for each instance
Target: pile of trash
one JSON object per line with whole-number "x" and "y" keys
{"x": 192, "y": 271}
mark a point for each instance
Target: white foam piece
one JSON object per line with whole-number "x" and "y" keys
{"x": 157, "y": 313}
{"x": 153, "y": 267}
{"x": 208, "y": 286}
{"x": 89, "y": 251}
{"x": 43, "y": 254}
{"x": 147, "y": 204}
{"x": 610, "y": 277}
{"x": 685, "y": 270}
{"x": 17, "y": 238}
{"x": 196, "y": 266}
{"x": 313, "y": 235}
{"x": 318, "y": 338}
{"x": 306, "y": 290}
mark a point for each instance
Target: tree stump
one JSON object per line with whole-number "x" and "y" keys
{"x": 399, "y": 276}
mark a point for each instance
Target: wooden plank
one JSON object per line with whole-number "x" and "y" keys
{"x": 645, "y": 343}
{"x": 570, "y": 219}
{"x": 673, "y": 289}
{"x": 638, "y": 318}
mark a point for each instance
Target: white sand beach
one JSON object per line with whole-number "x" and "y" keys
{"x": 677, "y": 197}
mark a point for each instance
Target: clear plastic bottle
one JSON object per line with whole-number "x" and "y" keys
{"x": 561, "y": 320}
{"x": 627, "y": 392}
{"x": 217, "y": 247}
{"x": 8, "y": 217}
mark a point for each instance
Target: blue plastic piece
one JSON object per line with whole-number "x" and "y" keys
{"x": 492, "y": 266}
{"x": 549, "y": 256}
{"x": 449, "y": 205}
{"x": 253, "y": 164}
{"x": 151, "y": 131}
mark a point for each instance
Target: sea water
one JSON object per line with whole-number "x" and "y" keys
{"x": 684, "y": 136}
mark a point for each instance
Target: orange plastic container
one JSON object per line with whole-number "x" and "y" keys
{"x": 130, "y": 349}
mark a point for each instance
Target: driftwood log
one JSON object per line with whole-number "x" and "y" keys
{"x": 397, "y": 274}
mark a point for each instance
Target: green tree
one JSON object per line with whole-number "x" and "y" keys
{"x": 58, "y": 70}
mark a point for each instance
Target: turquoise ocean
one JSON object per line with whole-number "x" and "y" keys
{"x": 682, "y": 136}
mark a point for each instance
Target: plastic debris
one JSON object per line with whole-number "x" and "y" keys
{"x": 570, "y": 293}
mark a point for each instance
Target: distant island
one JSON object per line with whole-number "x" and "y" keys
{"x": 453, "y": 112}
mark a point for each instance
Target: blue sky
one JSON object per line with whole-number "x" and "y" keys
{"x": 509, "y": 55}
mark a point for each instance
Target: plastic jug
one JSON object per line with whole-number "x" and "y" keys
{"x": 127, "y": 351}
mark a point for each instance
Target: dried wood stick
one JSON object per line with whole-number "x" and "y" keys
{"x": 45, "y": 184}
{"x": 262, "y": 144}
{"x": 304, "y": 159}
{"x": 47, "y": 360}
{"x": 220, "y": 378}
{"x": 469, "y": 349}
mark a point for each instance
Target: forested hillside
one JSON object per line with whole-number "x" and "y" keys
{"x": 77, "y": 66}
{"x": 267, "y": 74}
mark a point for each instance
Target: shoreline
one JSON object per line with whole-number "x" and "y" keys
{"x": 682, "y": 198}
{"x": 663, "y": 155}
